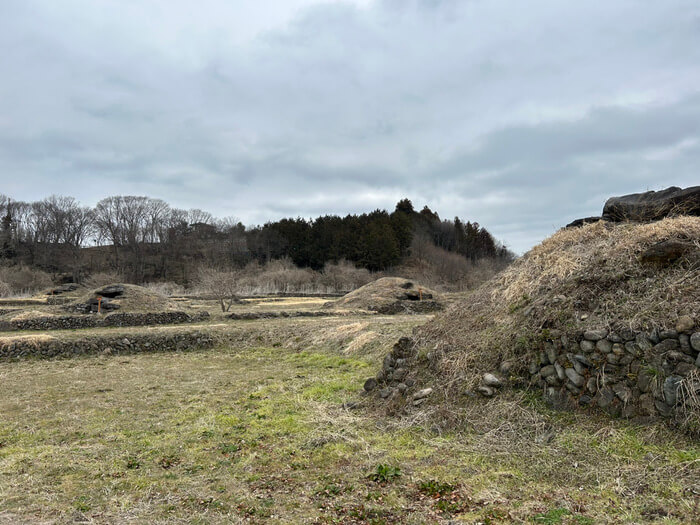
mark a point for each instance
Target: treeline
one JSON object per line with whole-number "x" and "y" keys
{"x": 146, "y": 239}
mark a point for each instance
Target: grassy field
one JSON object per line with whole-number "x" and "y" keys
{"x": 279, "y": 433}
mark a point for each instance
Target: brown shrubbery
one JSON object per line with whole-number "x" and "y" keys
{"x": 22, "y": 280}
{"x": 99, "y": 279}
{"x": 281, "y": 276}
{"x": 446, "y": 271}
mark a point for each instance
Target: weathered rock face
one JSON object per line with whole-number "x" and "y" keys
{"x": 112, "y": 291}
{"x": 648, "y": 206}
{"x": 653, "y": 205}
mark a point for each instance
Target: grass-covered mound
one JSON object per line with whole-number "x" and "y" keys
{"x": 598, "y": 276}
{"x": 125, "y": 298}
{"x": 390, "y": 295}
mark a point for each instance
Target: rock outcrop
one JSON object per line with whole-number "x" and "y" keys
{"x": 648, "y": 206}
{"x": 653, "y": 205}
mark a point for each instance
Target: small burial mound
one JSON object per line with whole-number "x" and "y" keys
{"x": 390, "y": 295}
{"x": 122, "y": 297}
{"x": 606, "y": 315}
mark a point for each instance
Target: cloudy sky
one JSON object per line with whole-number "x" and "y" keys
{"x": 519, "y": 115}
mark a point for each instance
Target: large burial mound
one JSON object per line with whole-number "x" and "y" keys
{"x": 391, "y": 295}
{"x": 122, "y": 297}
{"x": 606, "y": 315}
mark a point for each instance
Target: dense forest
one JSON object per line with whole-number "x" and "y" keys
{"x": 145, "y": 239}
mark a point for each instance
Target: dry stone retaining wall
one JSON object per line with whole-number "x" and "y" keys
{"x": 71, "y": 322}
{"x": 622, "y": 372}
{"x": 134, "y": 343}
{"x": 250, "y": 316}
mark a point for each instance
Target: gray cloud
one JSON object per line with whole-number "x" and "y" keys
{"x": 521, "y": 116}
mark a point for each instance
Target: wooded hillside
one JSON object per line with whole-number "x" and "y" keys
{"x": 145, "y": 239}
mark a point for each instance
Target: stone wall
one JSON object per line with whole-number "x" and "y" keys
{"x": 625, "y": 373}
{"x": 622, "y": 372}
{"x": 72, "y": 322}
{"x": 46, "y": 347}
{"x": 250, "y": 316}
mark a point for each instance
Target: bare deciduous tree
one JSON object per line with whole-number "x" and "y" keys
{"x": 221, "y": 284}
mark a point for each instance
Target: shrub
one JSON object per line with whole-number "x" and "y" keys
{"x": 100, "y": 279}
{"x": 223, "y": 285}
{"x": 166, "y": 289}
{"x": 21, "y": 280}
{"x": 5, "y": 289}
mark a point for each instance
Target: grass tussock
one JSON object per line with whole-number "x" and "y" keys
{"x": 35, "y": 340}
{"x": 589, "y": 277}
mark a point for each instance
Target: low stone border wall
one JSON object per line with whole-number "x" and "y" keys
{"x": 211, "y": 297}
{"x": 622, "y": 372}
{"x": 57, "y": 300}
{"x": 47, "y": 346}
{"x": 249, "y": 316}
{"x": 72, "y": 322}
{"x": 408, "y": 307}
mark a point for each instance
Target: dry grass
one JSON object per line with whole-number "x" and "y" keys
{"x": 579, "y": 278}
{"x": 35, "y": 340}
{"x": 260, "y": 435}
{"x": 382, "y": 293}
{"x": 257, "y": 431}
{"x": 30, "y": 314}
{"x": 598, "y": 251}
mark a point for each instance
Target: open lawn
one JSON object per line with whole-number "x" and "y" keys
{"x": 279, "y": 433}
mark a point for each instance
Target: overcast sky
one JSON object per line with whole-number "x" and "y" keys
{"x": 520, "y": 115}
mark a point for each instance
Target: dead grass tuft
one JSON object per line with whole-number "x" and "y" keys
{"x": 34, "y": 340}
{"x": 31, "y": 314}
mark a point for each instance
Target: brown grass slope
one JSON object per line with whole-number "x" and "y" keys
{"x": 136, "y": 299}
{"x": 390, "y": 295}
{"x": 588, "y": 277}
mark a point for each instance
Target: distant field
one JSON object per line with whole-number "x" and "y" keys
{"x": 257, "y": 431}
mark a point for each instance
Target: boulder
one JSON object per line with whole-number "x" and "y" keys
{"x": 582, "y": 222}
{"x": 576, "y": 378}
{"x": 665, "y": 252}
{"x": 653, "y": 205}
